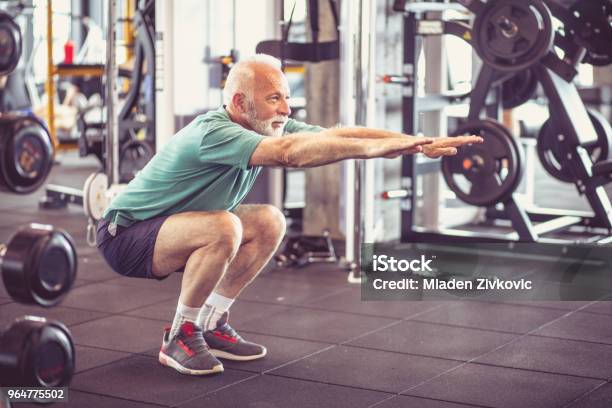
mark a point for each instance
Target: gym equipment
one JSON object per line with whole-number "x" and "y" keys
{"x": 26, "y": 153}
{"x": 302, "y": 250}
{"x": 10, "y": 44}
{"x": 486, "y": 173}
{"x": 134, "y": 155}
{"x": 314, "y": 51}
{"x": 590, "y": 28}
{"x": 511, "y": 35}
{"x": 497, "y": 34}
{"x": 551, "y": 157}
{"x": 38, "y": 265}
{"x": 36, "y": 352}
{"x": 519, "y": 89}
{"x": 94, "y": 195}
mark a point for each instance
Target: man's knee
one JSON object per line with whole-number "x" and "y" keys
{"x": 228, "y": 234}
{"x": 273, "y": 222}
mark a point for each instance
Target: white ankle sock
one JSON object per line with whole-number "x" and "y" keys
{"x": 213, "y": 309}
{"x": 183, "y": 314}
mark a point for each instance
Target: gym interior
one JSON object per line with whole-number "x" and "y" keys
{"x": 480, "y": 277}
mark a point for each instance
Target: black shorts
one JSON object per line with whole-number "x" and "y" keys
{"x": 130, "y": 251}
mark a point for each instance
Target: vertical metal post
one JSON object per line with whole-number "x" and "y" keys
{"x": 348, "y": 34}
{"x": 164, "y": 72}
{"x": 412, "y": 47}
{"x": 112, "y": 130}
{"x": 50, "y": 73}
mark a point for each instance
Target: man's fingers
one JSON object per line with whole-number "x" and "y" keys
{"x": 448, "y": 151}
{"x": 419, "y": 141}
{"x": 457, "y": 141}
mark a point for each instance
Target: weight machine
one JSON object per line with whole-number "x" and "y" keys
{"x": 513, "y": 40}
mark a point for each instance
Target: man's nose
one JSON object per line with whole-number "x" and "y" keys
{"x": 284, "y": 108}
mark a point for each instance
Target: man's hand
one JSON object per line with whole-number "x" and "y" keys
{"x": 447, "y": 146}
{"x": 390, "y": 148}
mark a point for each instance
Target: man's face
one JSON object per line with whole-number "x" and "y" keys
{"x": 268, "y": 109}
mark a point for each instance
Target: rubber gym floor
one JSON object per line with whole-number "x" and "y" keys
{"x": 326, "y": 348}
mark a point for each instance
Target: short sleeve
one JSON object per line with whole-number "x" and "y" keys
{"x": 228, "y": 144}
{"x": 295, "y": 126}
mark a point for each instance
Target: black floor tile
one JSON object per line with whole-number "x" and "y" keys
{"x": 581, "y": 326}
{"x": 113, "y": 298}
{"x": 368, "y": 369}
{"x": 79, "y": 399}
{"x": 600, "y": 398}
{"x": 68, "y": 316}
{"x": 549, "y": 304}
{"x": 94, "y": 268}
{"x": 434, "y": 340}
{"x": 554, "y": 355}
{"x": 287, "y": 291}
{"x": 120, "y": 333}
{"x": 504, "y": 387}
{"x": 172, "y": 284}
{"x": 143, "y": 378}
{"x": 502, "y": 317}
{"x": 403, "y": 401}
{"x": 90, "y": 357}
{"x": 316, "y": 325}
{"x": 277, "y": 392}
{"x": 350, "y": 301}
{"x": 280, "y": 351}
{"x": 319, "y": 274}
{"x": 604, "y": 307}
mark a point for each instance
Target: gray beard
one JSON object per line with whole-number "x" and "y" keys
{"x": 262, "y": 127}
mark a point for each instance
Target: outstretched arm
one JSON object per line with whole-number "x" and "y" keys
{"x": 441, "y": 146}
{"x": 317, "y": 149}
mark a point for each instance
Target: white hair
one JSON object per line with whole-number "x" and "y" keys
{"x": 241, "y": 75}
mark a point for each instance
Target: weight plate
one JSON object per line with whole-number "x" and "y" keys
{"x": 511, "y": 35}
{"x": 10, "y": 44}
{"x": 39, "y": 266}
{"x": 134, "y": 155}
{"x": 591, "y": 28}
{"x": 36, "y": 352}
{"x": 26, "y": 153}
{"x": 519, "y": 89}
{"x": 487, "y": 173}
{"x": 94, "y": 195}
{"x": 551, "y": 157}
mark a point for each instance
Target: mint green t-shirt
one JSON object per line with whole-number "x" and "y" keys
{"x": 203, "y": 167}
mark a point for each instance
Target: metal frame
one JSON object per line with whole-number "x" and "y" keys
{"x": 486, "y": 97}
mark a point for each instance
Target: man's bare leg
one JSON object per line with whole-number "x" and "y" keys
{"x": 205, "y": 243}
{"x": 263, "y": 230}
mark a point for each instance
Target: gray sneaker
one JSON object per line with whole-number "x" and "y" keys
{"x": 225, "y": 343}
{"x": 187, "y": 352}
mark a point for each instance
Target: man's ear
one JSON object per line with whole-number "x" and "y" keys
{"x": 239, "y": 102}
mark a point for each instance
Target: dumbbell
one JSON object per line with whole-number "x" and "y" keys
{"x": 36, "y": 352}
{"x": 26, "y": 153}
{"x": 38, "y": 265}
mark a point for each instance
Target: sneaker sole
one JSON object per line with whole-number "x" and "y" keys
{"x": 170, "y": 362}
{"x": 236, "y": 357}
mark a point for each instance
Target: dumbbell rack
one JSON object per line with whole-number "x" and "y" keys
{"x": 555, "y": 75}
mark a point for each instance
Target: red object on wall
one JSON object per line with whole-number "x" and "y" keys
{"x": 68, "y": 52}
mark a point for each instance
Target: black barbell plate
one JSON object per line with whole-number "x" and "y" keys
{"x": 499, "y": 153}
{"x": 10, "y": 44}
{"x": 531, "y": 41}
{"x": 552, "y": 159}
{"x": 26, "y": 153}
{"x": 134, "y": 155}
